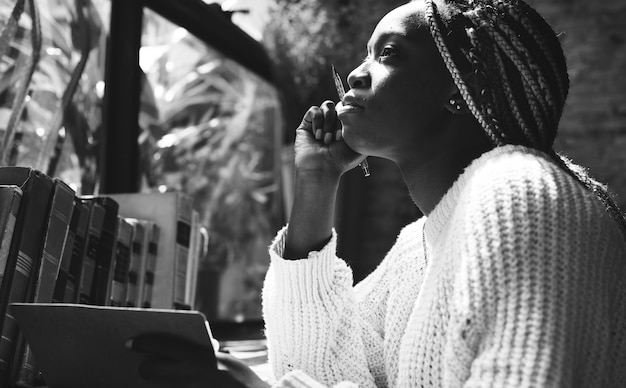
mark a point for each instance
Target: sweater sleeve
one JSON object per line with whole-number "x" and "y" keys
{"x": 537, "y": 293}
{"x": 313, "y": 323}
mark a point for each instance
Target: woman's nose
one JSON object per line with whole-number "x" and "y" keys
{"x": 359, "y": 78}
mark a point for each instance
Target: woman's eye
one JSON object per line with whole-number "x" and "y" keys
{"x": 387, "y": 51}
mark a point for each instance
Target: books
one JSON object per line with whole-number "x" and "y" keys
{"x": 121, "y": 263}
{"x": 80, "y": 346}
{"x": 42, "y": 284}
{"x": 172, "y": 211}
{"x": 198, "y": 248}
{"x": 90, "y": 251}
{"x": 25, "y": 251}
{"x": 57, "y": 247}
{"x": 150, "y": 261}
{"x": 136, "y": 269}
{"x": 106, "y": 245}
{"x": 76, "y": 257}
{"x": 57, "y": 229}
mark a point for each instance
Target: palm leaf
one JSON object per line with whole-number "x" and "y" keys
{"x": 19, "y": 101}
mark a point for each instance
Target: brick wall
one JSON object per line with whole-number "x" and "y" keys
{"x": 592, "y": 132}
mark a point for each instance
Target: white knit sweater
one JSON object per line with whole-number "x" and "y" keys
{"x": 523, "y": 285}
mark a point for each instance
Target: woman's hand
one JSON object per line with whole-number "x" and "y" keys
{"x": 319, "y": 146}
{"x": 174, "y": 362}
{"x": 321, "y": 157}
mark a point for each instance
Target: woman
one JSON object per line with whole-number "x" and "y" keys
{"x": 516, "y": 276}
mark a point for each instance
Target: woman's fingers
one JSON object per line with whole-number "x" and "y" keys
{"x": 322, "y": 122}
{"x": 307, "y": 121}
{"x": 330, "y": 121}
{"x": 317, "y": 122}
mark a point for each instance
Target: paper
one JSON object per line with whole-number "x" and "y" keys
{"x": 79, "y": 346}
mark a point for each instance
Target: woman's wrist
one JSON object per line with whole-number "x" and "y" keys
{"x": 312, "y": 214}
{"x": 318, "y": 175}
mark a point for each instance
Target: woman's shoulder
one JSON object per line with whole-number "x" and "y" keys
{"x": 525, "y": 188}
{"x": 522, "y": 205}
{"x": 509, "y": 164}
{"x": 520, "y": 174}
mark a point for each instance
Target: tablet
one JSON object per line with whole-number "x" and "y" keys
{"x": 83, "y": 346}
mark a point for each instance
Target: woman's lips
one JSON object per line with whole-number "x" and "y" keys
{"x": 349, "y": 104}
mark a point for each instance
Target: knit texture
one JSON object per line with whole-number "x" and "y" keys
{"x": 523, "y": 285}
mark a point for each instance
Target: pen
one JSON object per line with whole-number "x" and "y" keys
{"x": 341, "y": 91}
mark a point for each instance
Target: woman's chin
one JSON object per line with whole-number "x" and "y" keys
{"x": 353, "y": 141}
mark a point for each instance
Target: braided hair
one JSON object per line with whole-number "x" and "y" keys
{"x": 524, "y": 104}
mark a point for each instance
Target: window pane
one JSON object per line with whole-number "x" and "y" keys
{"x": 210, "y": 128}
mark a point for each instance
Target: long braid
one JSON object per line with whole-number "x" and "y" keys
{"x": 563, "y": 81}
{"x": 431, "y": 16}
{"x": 513, "y": 103}
{"x": 488, "y": 49}
{"x": 525, "y": 103}
{"x": 491, "y": 92}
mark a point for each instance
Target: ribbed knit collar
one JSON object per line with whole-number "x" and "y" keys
{"x": 437, "y": 219}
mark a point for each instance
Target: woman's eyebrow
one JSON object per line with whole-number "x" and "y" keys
{"x": 385, "y": 36}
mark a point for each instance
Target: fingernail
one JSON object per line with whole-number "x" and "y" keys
{"x": 338, "y": 135}
{"x": 128, "y": 344}
{"x": 318, "y": 134}
{"x": 328, "y": 137}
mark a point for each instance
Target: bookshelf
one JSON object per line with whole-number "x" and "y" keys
{"x": 125, "y": 250}
{"x": 85, "y": 127}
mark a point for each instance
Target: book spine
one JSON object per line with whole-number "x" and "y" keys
{"x": 43, "y": 284}
{"x": 10, "y": 197}
{"x": 121, "y": 264}
{"x": 24, "y": 254}
{"x": 135, "y": 274}
{"x": 55, "y": 242}
{"x": 90, "y": 252}
{"x": 199, "y": 238}
{"x": 104, "y": 255}
{"x": 202, "y": 248}
{"x": 151, "y": 257}
{"x": 109, "y": 281}
{"x": 64, "y": 266}
{"x": 76, "y": 256}
{"x": 183, "y": 240}
{"x": 193, "y": 253}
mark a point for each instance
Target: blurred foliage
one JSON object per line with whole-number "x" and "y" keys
{"x": 306, "y": 36}
{"x": 59, "y": 114}
{"x": 215, "y": 127}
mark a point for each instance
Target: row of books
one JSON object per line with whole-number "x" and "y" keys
{"x": 135, "y": 250}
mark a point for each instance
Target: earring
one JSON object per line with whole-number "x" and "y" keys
{"x": 455, "y": 104}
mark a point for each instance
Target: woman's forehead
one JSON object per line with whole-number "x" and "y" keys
{"x": 407, "y": 20}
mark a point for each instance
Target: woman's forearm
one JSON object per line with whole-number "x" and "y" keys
{"x": 312, "y": 214}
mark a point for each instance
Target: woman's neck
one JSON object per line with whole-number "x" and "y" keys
{"x": 430, "y": 176}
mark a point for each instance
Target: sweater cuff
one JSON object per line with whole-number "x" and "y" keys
{"x": 317, "y": 269}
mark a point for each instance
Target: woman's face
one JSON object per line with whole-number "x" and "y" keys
{"x": 397, "y": 93}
